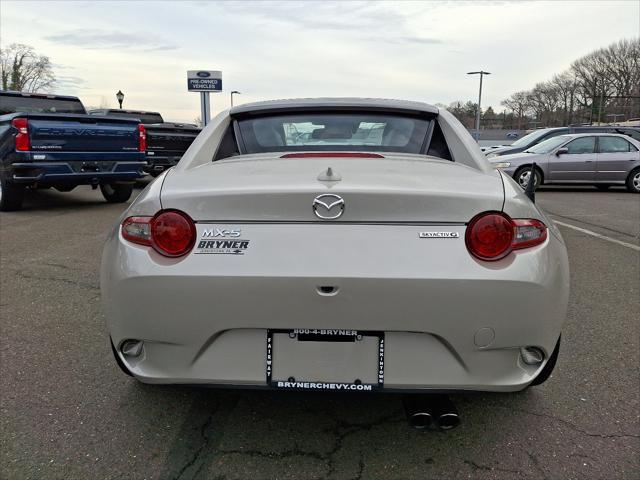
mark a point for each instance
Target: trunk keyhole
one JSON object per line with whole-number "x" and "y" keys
{"x": 327, "y": 290}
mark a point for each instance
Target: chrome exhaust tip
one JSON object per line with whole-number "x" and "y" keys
{"x": 445, "y": 413}
{"x": 420, "y": 420}
{"x": 418, "y": 411}
{"x": 448, "y": 421}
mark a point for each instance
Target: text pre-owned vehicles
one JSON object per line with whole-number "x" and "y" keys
{"x": 599, "y": 159}
{"x": 50, "y": 141}
{"x": 336, "y": 244}
{"x": 538, "y": 136}
{"x": 166, "y": 141}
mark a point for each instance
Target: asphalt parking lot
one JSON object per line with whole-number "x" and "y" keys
{"x": 68, "y": 412}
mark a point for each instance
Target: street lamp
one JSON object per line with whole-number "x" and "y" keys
{"x": 235, "y": 91}
{"x": 120, "y": 97}
{"x": 481, "y": 73}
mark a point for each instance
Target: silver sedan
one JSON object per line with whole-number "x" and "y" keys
{"x": 599, "y": 159}
{"x": 336, "y": 244}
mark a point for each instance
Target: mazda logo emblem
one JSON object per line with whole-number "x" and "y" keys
{"x": 328, "y": 206}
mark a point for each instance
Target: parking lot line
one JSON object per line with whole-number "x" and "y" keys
{"x": 597, "y": 235}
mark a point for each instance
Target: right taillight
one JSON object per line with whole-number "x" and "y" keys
{"x": 22, "y": 134}
{"x": 171, "y": 233}
{"x": 142, "y": 138}
{"x": 491, "y": 236}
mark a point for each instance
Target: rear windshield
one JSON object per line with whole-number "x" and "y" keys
{"x": 143, "y": 117}
{"x": 334, "y": 131}
{"x": 15, "y": 104}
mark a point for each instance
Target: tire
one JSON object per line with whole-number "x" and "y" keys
{"x": 11, "y": 196}
{"x": 522, "y": 176}
{"x": 633, "y": 181}
{"x": 546, "y": 372}
{"x": 119, "y": 360}
{"x": 116, "y": 192}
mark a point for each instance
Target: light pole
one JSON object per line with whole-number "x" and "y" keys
{"x": 120, "y": 97}
{"x": 481, "y": 73}
{"x": 235, "y": 91}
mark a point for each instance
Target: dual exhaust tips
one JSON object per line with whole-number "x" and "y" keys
{"x": 424, "y": 411}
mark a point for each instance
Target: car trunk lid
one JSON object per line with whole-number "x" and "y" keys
{"x": 389, "y": 189}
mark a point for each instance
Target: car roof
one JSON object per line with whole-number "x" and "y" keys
{"x": 335, "y": 104}
{"x": 595, "y": 134}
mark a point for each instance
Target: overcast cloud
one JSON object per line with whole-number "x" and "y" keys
{"x": 413, "y": 50}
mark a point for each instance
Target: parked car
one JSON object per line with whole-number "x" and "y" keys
{"x": 382, "y": 252}
{"x": 50, "y": 141}
{"x": 537, "y": 136}
{"x": 512, "y": 135}
{"x": 599, "y": 159}
{"x": 166, "y": 141}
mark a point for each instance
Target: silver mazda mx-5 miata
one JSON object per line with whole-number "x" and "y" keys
{"x": 336, "y": 244}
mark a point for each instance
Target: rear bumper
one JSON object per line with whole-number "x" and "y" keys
{"x": 76, "y": 172}
{"x": 158, "y": 164}
{"x": 449, "y": 321}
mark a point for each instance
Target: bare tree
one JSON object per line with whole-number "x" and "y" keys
{"x": 22, "y": 69}
{"x": 606, "y": 80}
{"x": 518, "y": 103}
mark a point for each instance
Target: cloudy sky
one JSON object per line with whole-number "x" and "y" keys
{"x": 417, "y": 50}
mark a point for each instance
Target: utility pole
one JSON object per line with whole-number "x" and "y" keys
{"x": 481, "y": 73}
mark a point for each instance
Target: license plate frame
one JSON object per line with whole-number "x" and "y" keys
{"x": 311, "y": 334}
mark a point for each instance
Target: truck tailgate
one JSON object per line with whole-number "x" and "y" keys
{"x": 85, "y": 133}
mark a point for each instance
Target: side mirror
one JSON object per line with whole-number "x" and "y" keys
{"x": 562, "y": 151}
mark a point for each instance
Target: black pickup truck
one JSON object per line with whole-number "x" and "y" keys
{"x": 50, "y": 141}
{"x": 166, "y": 141}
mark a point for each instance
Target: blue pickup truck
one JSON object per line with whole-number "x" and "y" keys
{"x": 50, "y": 141}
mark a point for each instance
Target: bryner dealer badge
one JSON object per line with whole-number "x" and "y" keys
{"x": 221, "y": 241}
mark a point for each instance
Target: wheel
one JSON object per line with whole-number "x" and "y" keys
{"x": 11, "y": 196}
{"x": 633, "y": 181}
{"x": 546, "y": 372}
{"x": 119, "y": 360}
{"x": 522, "y": 176}
{"x": 603, "y": 188}
{"x": 116, "y": 192}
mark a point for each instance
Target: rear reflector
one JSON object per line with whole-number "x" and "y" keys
{"x": 491, "y": 236}
{"x": 170, "y": 232}
{"x": 332, "y": 155}
{"x": 22, "y": 134}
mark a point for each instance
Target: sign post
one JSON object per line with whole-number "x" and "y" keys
{"x": 204, "y": 81}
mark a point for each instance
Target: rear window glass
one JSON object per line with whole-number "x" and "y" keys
{"x": 15, "y": 104}
{"x": 334, "y": 131}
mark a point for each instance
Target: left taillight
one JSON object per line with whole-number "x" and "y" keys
{"x": 171, "y": 233}
{"x": 22, "y": 134}
{"x": 142, "y": 138}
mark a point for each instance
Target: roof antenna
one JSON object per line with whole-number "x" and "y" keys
{"x": 530, "y": 189}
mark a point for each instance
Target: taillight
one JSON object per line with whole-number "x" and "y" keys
{"x": 529, "y": 232}
{"x": 170, "y": 232}
{"x": 491, "y": 236}
{"x": 22, "y": 136}
{"x": 137, "y": 230}
{"x": 142, "y": 138}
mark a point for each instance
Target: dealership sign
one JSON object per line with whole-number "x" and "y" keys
{"x": 204, "y": 81}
